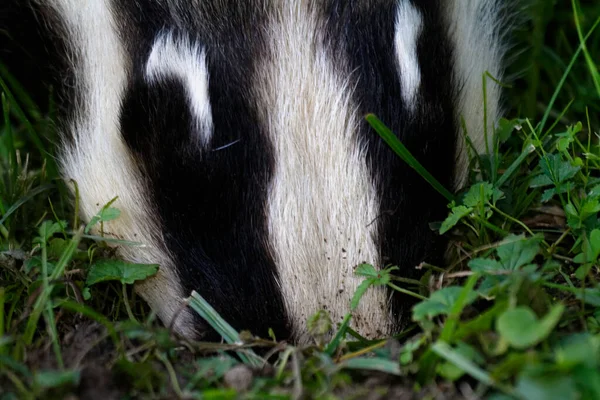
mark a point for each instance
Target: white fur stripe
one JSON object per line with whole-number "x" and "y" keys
{"x": 322, "y": 199}
{"x": 186, "y": 62}
{"x": 408, "y": 28}
{"x": 99, "y": 161}
{"x": 475, "y": 30}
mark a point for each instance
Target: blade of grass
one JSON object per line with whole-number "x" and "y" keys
{"x": 445, "y": 351}
{"x": 208, "y": 313}
{"x": 25, "y": 199}
{"x": 563, "y": 79}
{"x": 51, "y": 323}
{"x": 372, "y": 364}
{"x": 388, "y": 136}
{"x": 33, "y": 136}
{"x": 513, "y": 167}
{"x": 231, "y": 336}
{"x": 10, "y": 143}
{"x": 457, "y": 308}
{"x": 42, "y": 299}
{"x": 111, "y": 240}
{"x": 588, "y": 58}
{"x": 19, "y": 92}
{"x": 337, "y": 339}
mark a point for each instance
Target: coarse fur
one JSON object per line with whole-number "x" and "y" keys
{"x": 479, "y": 33}
{"x": 232, "y": 133}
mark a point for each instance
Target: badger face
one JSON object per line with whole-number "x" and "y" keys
{"x": 232, "y": 133}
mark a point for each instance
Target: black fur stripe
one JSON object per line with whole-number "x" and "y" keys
{"x": 365, "y": 36}
{"x": 211, "y": 202}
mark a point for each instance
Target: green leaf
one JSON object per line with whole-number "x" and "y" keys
{"x": 440, "y": 302}
{"x": 540, "y": 181}
{"x": 563, "y": 144}
{"x": 54, "y": 379}
{"x": 588, "y": 207}
{"x": 566, "y": 138}
{"x": 591, "y": 249}
{"x": 455, "y": 216}
{"x": 56, "y": 247}
{"x": 408, "y": 350}
{"x": 381, "y": 277}
{"x": 449, "y": 371}
{"x": 366, "y": 270}
{"x": 548, "y": 195}
{"x": 547, "y": 387}
{"x": 107, "y": 213}
{"x": 360, "y": 291}
{"x": 521, "y": 328}
{"x": 482, "y": 322}
{"x": 36, "y": 262}
{"x": 473, "y": 197}
{"x": 117, "y": 270}
{"x": 485, "y": 265}
{"x": 506, "y": 127}
{"x": 580, "y": 349}
{"x": 594, "y": 192}
{"x": 518, "y": 252}
{"x": 587, "y": 380}
{"x": 48, "y": 229}
{"x": 589, "y": 296}
{"x": 374, "y": 278}
{"x": 556, "y": 169}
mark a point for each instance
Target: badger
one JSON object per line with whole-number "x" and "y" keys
{"x": 232, "y": 134}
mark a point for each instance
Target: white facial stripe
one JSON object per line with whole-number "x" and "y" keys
{"x": 186, "y": 62}
{"x": 322, "y": 199}
{"x": 408, "y": 28}
{"x": 99, "y": 160}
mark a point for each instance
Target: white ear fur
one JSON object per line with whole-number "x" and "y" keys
{"x": 185, "y": 61}
{"x": 408, "y": 29}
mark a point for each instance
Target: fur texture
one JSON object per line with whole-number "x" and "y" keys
{"x": 233, "y": 134}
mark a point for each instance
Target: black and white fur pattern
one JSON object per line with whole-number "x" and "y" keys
{"x": 233, "y": 134}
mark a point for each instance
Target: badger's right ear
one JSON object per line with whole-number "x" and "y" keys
{"x": 32, "y": 50}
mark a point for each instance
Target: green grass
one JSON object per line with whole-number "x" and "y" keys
{"x": 515, "y": 314}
